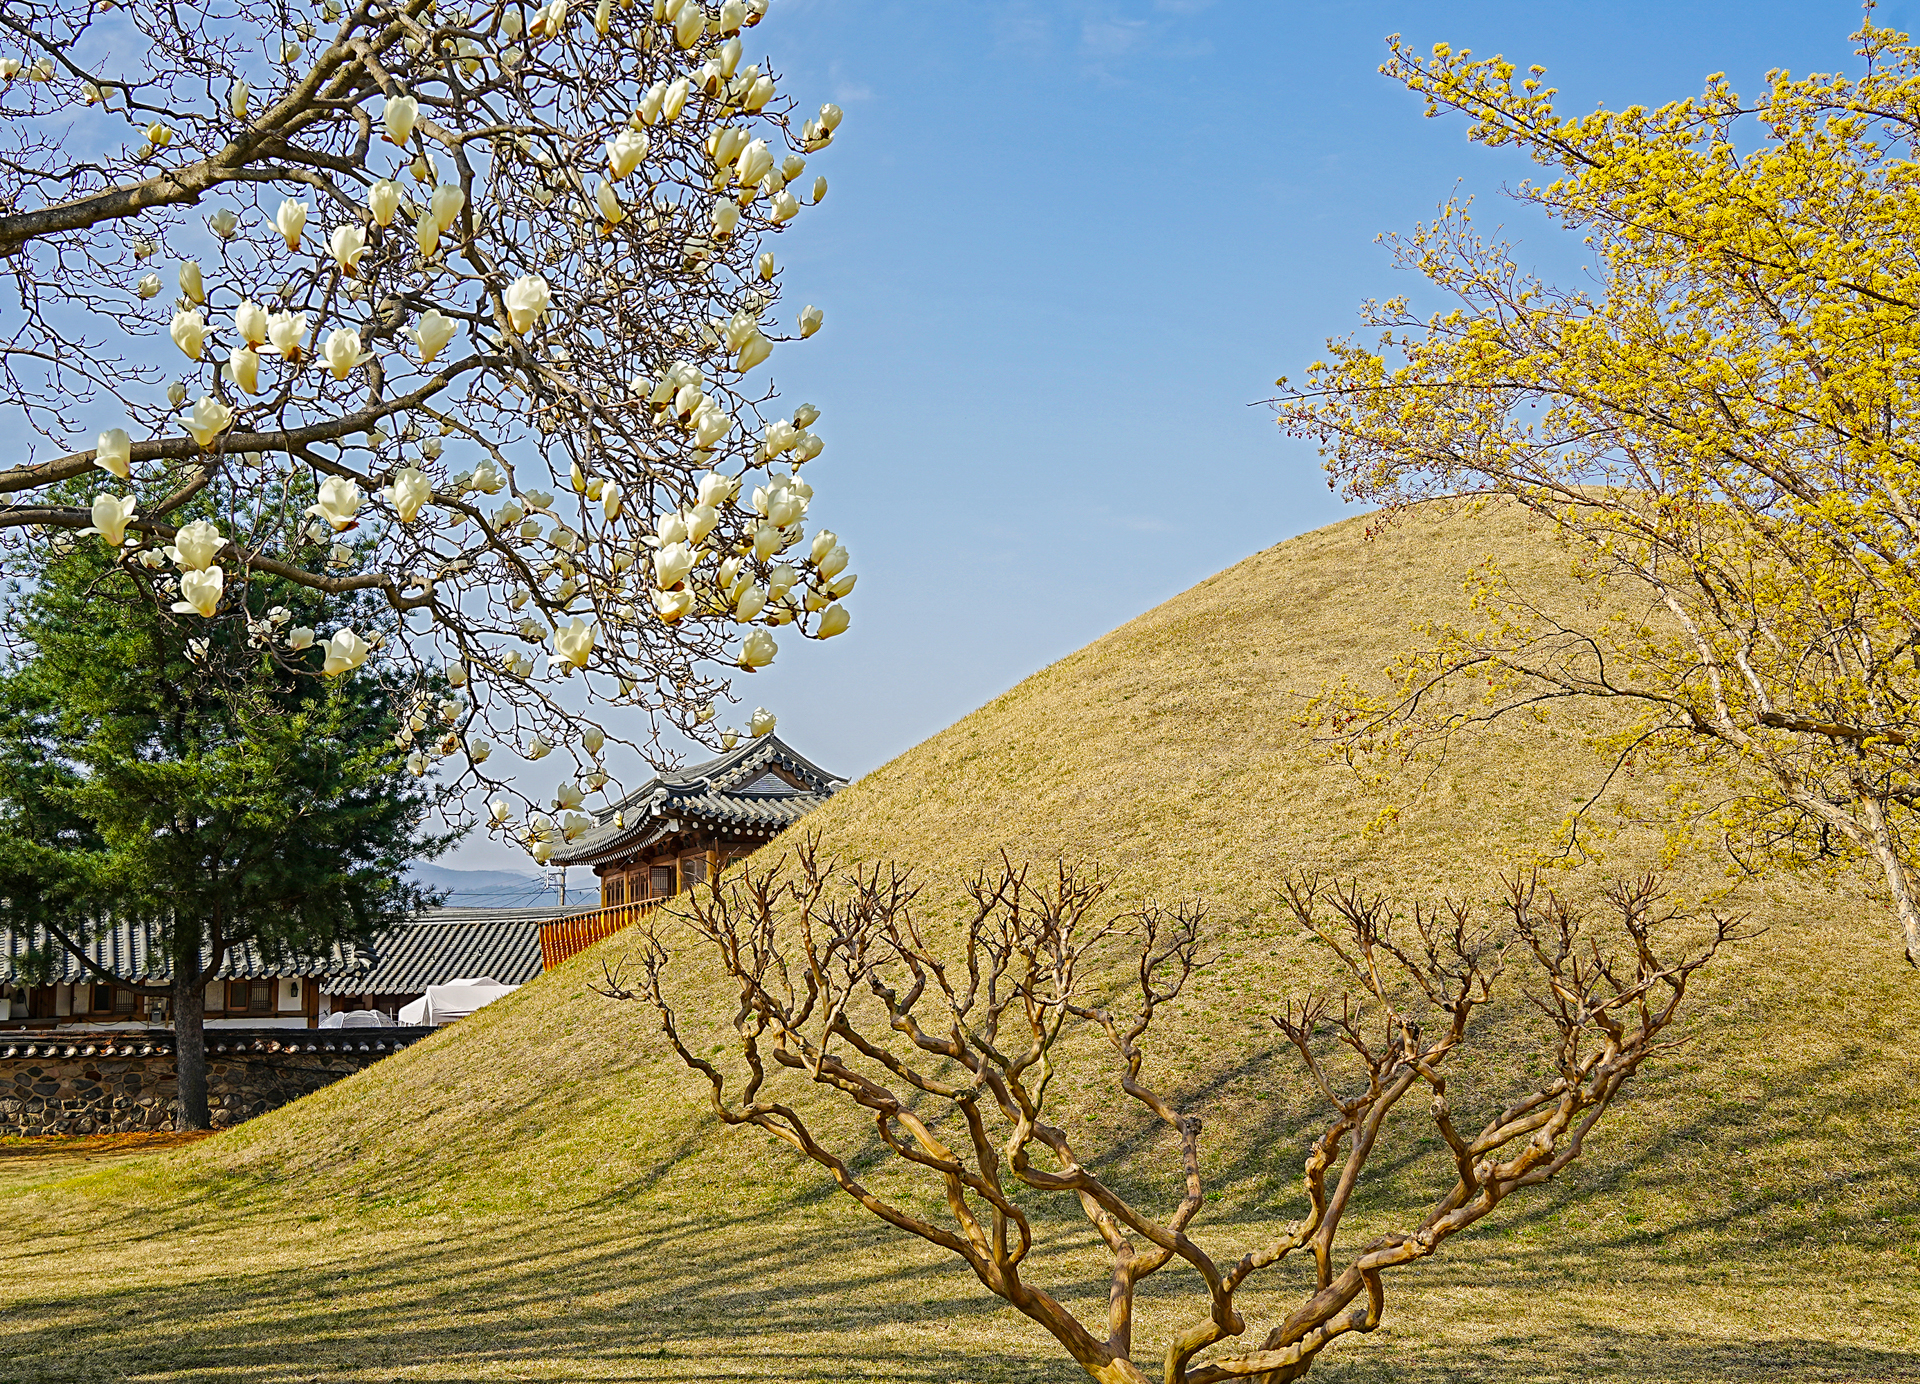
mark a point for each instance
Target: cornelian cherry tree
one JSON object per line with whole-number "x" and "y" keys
{"x": 460, "y": 302}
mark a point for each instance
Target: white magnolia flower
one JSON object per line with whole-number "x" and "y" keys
{"x": 726, "y": 216}
{"x": 113, "y": 452}
{"x": 784, "y": 208}
{"x": 342, "y": 352}
{"x": 754, "y": 163}
{"x": 674, "y": 100}
{"x": 757, "y": 651}
{"x": 752, "y": 600}
{"x": 224, "y": 223}
{"x": 237, "y": 98}
{"x": 501, "y": 811}
{"x": 593, "y": 740}
{"x": 624, "y": 152}
{"x": 761, "y": 722}
{"x": 347, "y": 244}
{"x": 671, "y": 565}
{"x": 290, "y": 221}
{"x": 250, "y": 320}
{"x": 399, "y": 118}
{"x": 834, "y": 621}
{"x": 300, "y": 637}
{"x": 286, "y": 330}
{"x": 810, "y": 319}
{"x": 383, "y": 200}
{"x": 568, "y": 794}
{"x": 426, "y": 233}
{"x": 339, "y": 501}
{"x": 345, "y": 652}
{"x": 753, "y": 351}
{"x": 417, "y": 764}
{"x": 243, "y": 368}
{"x": 191, "y": 283}
{"x": 196, "y": 545}
{"x": 411, "y": 489}
{"x": 538, "y": 749}
{"x": 527, "y": 301}
{"x": 574, "y": 642}
{"x": 608, "y": 203}
{"x": 445, "y": 205}
{"x": 487, "y": 478}
{"x": 189, "y": 333}
{"x": 200, "y": 592}
{"x": 478, "y": 750}
{"x": 149, "y": 286}
{"x": 673, "y": 606}
{"x": 111, "y": 515}
{"x": 207, "y": 421}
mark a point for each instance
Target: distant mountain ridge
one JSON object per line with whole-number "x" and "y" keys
{"x": 485, "y": 888}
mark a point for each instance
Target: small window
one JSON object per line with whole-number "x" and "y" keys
{"x": 236, "y": 997}
{"x": 123, "y": 1000}
{"x": 259, "y": 996}
{"x": 693, "y": 869}
{"x": 660, "y": 881}
{"x": 614, "y": 889}
{"x": 101, "y": 1000}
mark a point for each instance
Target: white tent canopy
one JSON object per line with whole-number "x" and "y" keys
{"x": 442, "y": 1004}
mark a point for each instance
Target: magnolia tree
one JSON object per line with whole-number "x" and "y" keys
{"x": 460, "y": 303}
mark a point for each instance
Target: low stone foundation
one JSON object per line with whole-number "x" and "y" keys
{"x": 105, "y": 1083}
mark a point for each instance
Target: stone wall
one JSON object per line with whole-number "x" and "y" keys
{"x": 98, "y": 1083}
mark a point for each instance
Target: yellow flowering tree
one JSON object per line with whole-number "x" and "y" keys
{"x": 1720, "y": 421}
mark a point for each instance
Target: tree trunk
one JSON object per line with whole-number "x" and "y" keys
{"x": 190, "y": 1046}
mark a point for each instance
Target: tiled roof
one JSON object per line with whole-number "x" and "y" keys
{"x": 738, "y": 793}
{"x": 129, "y": 951}
{"x": 453, "y": 944}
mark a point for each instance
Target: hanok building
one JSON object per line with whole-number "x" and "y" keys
{"x": 249, "y": 989}
{"x": 680, "y": 829}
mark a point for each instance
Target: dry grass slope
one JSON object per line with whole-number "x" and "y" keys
{"x": 536, "y": 1194}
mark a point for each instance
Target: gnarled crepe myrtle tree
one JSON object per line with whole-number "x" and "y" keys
{"x": 958, "y": 1048}
{"x": 455, "y": 301}
{"x": 1721, "y": 425}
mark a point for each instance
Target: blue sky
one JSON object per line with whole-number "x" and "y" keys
{"x": 1069, "y": 245}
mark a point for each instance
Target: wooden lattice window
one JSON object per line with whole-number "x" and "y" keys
{"x": 660, "y": 881}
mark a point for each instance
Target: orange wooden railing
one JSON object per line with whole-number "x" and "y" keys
{"x": 568, "y": 937}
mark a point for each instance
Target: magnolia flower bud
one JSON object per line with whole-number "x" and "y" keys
{"x": 574, "y": 642}
{"x": 189, "y": 333}
{"x": 753, "y": 599}
{"x": 200, "y": 592}
{"x": 191, "y": 283}
{"x": 224, "y": 223}
{"x": 399, "y": 118}
{"x": 510, "y": 23}
{"x": 410, "y": 490}
{"x": 715, "y": 489}
{"x": 347, "y": 243}
{"x": 339, "y": 501}
{"x": 810, "y": 319}
{"x": 243, "y": 368}
{"x": 237, "y": 98}
{"x": 527, "y": 301}
{"x": 830, "y": 117}
{"x": 149, "y": 286}
{"x": 426, "y": 234}
{"x": 208, "y": 420}
{"x": 841, "y": 585}
{"x": 611, "y": 499}
{"x": 819, "y": 190}
{"x": 700, "y": 522}
{"x": 593, "y": 740}
{"x": 754, "y": 352}
{"x": 710, "y": 424}
{"x": 158, "y": 135}
{"x": 728, "y": 53}
{"x": 111, "y": 514}
{"x": 177, "y": 393}
{"x": 342, "y": 352}
{"x": 436, "y": 329}
{"x": 726, "y": 216}
{"x": 112, "y": 452}
{"x": 345, "y": 652}
{"x": 603, "y": 18}
{"x": 767, "y": 265}
{"x": 758, "y": 93}
{"x": 762, "y": 720}
{"x": 290, "y": 221}
{"x": 832, "y": 562}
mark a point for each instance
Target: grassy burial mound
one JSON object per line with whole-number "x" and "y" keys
{"x": 539, "y": 1192}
